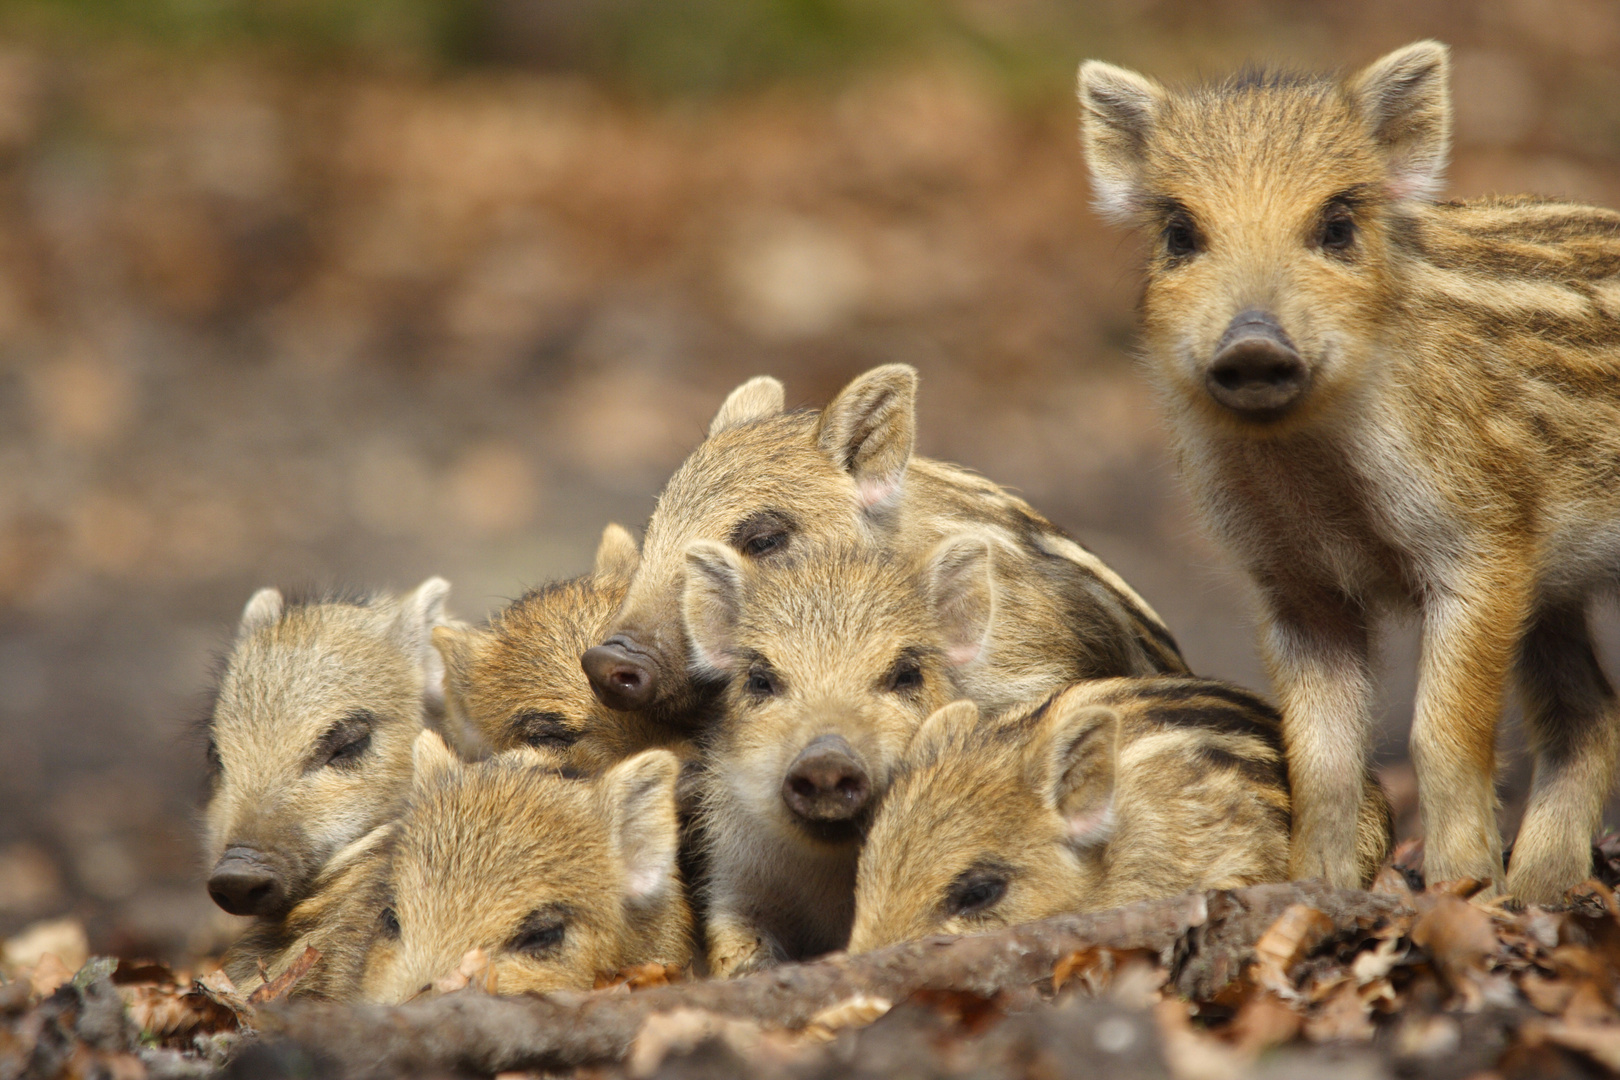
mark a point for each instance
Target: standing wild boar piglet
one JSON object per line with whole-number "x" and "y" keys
{"x": 769, "y": 483}
{"x": 1384, "y": 402}
{"x": 518, "y": 681}
{"x": 1107, "y": 793}
{"x": 830, "y": 660}
{"x": 309, "y": 743}
{"x": 557, "y": 880}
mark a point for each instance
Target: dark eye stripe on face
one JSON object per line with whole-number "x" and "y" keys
{"x": 765, "y": 533}
{"x": 345, "y": 742}
{"x": 544, "y": 728}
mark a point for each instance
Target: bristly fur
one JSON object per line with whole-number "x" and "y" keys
{"x": 1455, "y": 451}
{"x": 847, "y": 475}
{"x": 1260, "y": 77}
{"x": 525, "y": 665}
{"x": 485, "y": 849}
{"x": 289, "y": 682}
{"x": 1188, "y": 789}
{"x": 830, "y": 627}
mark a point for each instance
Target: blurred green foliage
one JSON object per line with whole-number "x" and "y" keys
{"x": 657, "y": 47}
{"x": 709, "y": 46}
{"x": 322, "y": 30}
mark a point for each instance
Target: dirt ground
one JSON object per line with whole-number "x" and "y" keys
{"x": 271, "y": 322}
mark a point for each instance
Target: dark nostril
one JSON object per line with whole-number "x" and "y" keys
{"x": 826, "y": 782}
{"x": 1265, "y": 368}
{"x": 622, "y": 677}
{"x": 243, "y": 884}
{"x": 1256, "y": 371}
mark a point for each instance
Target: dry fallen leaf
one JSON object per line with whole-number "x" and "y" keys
{"x": 1297, "y": 931}
{"x": 1264, "y": 1021}
{"x": 1589, "y": 1005}
{"x": 1096, "y": 967}
{"x": 853, "y": 1012}
{"x": 1459, "y": 938}
{"x": 1427, "y": 1036}
{"x": 1547, "y": 995}
{"x": 48, "y": 974}
{"x": 173, "y": 1012}
{"x": 642, "y": 976}
{"x": 1378, "y": 961}
{"x": 282, "y": 984}
{"x": 680, "y": 1031}
{"x": 63, "y": 938}
{"x": 1342, "y": 1018}
{"x": 1193, "y": 1053}
{"x": 1601, "y": 1044}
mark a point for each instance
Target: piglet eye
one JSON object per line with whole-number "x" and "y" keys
{"x": 541, "y": 933}
{"x": 1180, "y": 238}
{"x": 764, "y": 533}
{"x": 546, "y": 730}
{"x": 388, "y": 922}
{"x": 216, "y": 764}
{"x": 1338, "y": 230}
{"x": 906, "y": 675}
{"x": 760, "y": 683}
{"x": 346, "y": 742}
{"x": 975, "y": 891}
{"x": 757, "y": 546}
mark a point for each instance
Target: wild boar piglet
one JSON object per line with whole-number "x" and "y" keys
{"x": 1388, "y": 404}
{"x": 518, "y": 682}
{"x": 339, "y": 916}
{"x": 1105, "y": 794}
{"x": 558, "y": 881}
{"x": 829, "y": 661}
{"x": 309, "y": 741}
{"x": 770, "y": 483}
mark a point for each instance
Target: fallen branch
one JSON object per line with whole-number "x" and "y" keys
{"x": 1204, "y": 939}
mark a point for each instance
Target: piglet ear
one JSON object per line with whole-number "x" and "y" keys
{"x": 419, "y": 613}
{"x": 1071, "y": 766}
{"x": 262, "y": 610}
{"x": 757, "y": 399}
{"x": 870, "y": 429}
{"x": 1405, "y": 98}
{"x": 942, "y": 727}
{"x": 711, "y": 605}
{"x": 961, "y": 593}
{"x": 638, "y": 798}
{"x": 1118, "y": 110}
{"x": 616, "y": 555}
{"x": 431, "y": 760}
{"x": 458, "y": 646}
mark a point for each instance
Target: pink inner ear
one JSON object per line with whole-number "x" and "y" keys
{"x": 874, "y": 492}
{"x": 642, "y": 881}
{"x": 1093, "y": 826}
{"x": 1409, "y": 183}
{"x": 719, "y": 662}
{"x": 963, "y": 654}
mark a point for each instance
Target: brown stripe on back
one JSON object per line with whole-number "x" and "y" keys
{"x": 1221, "y": 718}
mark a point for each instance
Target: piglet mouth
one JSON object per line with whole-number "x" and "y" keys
{"x": 835, "y": 833}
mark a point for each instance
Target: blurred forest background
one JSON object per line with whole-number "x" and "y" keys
{"x": 360, "y": 291}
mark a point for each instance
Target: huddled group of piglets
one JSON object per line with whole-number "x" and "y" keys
{"x": 841, "y": 696}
